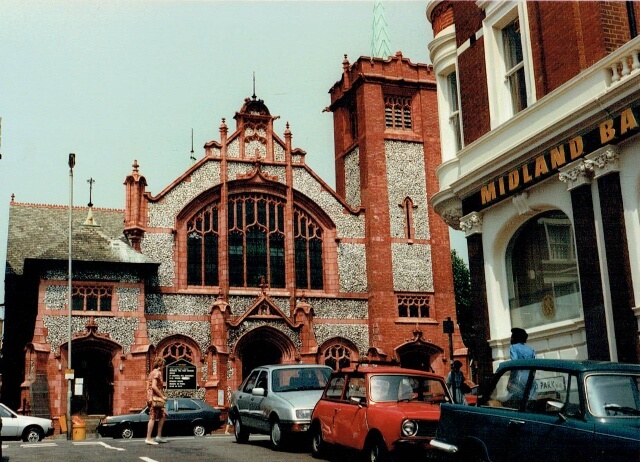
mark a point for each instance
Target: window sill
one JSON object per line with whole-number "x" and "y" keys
{"x": 416, "y": 320}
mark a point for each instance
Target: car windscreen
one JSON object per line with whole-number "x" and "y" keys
{"x": 394, "y": 388}
{"x": 613, "y": 395}
{"x": 297, "y": 379}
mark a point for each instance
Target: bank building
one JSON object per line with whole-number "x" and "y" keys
{"x": 247, "y": 258}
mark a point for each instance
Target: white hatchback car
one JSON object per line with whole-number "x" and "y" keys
{"x": 277, "y": 400}
{"x": 23, "y": 427}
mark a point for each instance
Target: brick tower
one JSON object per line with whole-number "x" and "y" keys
{"x": 387, "y": 148}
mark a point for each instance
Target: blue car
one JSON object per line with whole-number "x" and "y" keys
{"x": 185, "y": 416}
{"x": 548, "y": 410}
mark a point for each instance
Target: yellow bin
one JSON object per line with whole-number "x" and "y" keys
{"x": 79, "y": 428}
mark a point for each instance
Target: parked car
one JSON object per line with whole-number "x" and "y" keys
{"x": 551, "y": 410}
{"x": 381, "y": 410}
{"x": 185, "y": 416}
{"x": 277, "y": 400}
{"x": 27, "y": 428}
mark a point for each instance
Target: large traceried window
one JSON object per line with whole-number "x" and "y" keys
{"x": 256, "y": 244}
{"x": 202, "y": 248}
{"x": 308, "y": 252}
{"x": 92, "y": 298}
{"x": 256, "y": 241}
{"x": 543, "y": 272}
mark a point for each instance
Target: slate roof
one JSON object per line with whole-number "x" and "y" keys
{"x": 40, "y": 231}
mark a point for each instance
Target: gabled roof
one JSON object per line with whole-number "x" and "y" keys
{"x": 40, "y": 232}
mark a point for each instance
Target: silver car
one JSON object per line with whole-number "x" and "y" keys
{"x": 24, "y": 427}
{"x": 277, "y": 400}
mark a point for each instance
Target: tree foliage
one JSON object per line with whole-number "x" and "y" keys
{"x": 462, "y": 290}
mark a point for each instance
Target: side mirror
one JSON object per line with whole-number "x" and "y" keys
{"x": 258, "y": 392}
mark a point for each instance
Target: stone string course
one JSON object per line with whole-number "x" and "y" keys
{"x": 405, "y": 171}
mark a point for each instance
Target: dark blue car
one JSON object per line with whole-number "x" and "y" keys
{"x": 548, "y": 410}
{"x": 185, "y": 416}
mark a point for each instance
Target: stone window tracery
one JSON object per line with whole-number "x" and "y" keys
{"x": 337, "y": 356}
{"x": 92, "y": 298}
{"x": 414, "y": 306}
{"x": 308, "y": 251}
{"x": 202, "y": 248}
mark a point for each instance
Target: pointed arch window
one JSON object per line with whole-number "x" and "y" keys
{"x": 202, "y": 248}
{"x": 256, "y": 241}
{"x": 397, "y": 112}
{"x": 307, "y": 237}
{"x": 408, "y": 208}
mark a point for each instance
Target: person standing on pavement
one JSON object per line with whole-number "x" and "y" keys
{"x": 155, "y": 387}
{"x": 455, "y": 382}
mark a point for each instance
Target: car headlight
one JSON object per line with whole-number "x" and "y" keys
{"x": 303, "y": 413}
{"x": 409, "y": 427}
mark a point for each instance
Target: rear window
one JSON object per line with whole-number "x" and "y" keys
{"x": 386, "y": 388}
{"x": 304, "y": 378}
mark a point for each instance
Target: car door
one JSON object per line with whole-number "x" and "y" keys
{"x": 243, "y": 398}
{"x": 182, "y": 412}
{"x": 350, "y": 416}
{"x": 329, "y": 405}
{"x": 257, "y": 411}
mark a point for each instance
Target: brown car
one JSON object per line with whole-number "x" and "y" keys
{"x": 378, "y": 409}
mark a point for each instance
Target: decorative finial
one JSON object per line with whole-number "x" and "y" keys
{"x": 135, "y": 165}
{"x": 193, "y": 158}
{"x": 254, "y": 86}
{"x": 90, "y": 181}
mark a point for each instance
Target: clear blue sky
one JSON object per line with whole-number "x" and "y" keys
{"x": 114, "y": 81}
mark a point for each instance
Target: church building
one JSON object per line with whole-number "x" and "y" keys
{"x": 247, "y": 258}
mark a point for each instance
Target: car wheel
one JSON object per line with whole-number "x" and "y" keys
{"x": 32, "y": 434}
{"x": 126, "y": 432}
{"x": 276, "y": 435}
{"x": 199, "y": 430}
{"x": 318, "y": 446}
{"x": 241, "y": 434}
{"x": 376, "y": 451}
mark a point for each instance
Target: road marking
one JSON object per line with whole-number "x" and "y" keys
{"x": 148, "y": 459}
{"x": 35, "y": 445}
{"x": 87, "y": 443}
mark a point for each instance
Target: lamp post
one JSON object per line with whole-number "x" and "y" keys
{"x": 69, "y": 372}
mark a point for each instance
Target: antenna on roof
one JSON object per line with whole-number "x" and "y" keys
{"x": 193, "y": 158}
{"x": 380, "y": 43}
{"x": 254, "y": 85}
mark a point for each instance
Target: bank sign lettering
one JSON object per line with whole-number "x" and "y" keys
{"x": 545, "y": 164}
{"x": 181, "y": 375}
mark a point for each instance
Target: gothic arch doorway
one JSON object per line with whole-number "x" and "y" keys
{"x": 95, "y": 369}
{"x": 264, "y": 345}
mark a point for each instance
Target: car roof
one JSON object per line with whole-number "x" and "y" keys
{"x": 572, "y": 365}
{"x": 381, "y": 369}
{"x": 271, "y": 367}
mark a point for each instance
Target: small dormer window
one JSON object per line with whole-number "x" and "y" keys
{"x": 397, "y": 112}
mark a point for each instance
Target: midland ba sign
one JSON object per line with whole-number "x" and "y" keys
{"x": 546, "y": 164}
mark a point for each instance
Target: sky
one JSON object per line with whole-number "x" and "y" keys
{"x": 115, "y": 81}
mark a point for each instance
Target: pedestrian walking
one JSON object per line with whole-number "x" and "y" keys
{"x": 156, "y": 401}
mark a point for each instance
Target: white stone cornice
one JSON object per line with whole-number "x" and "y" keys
{"x": 577, "y": 173}
{"x": 605, "y": 160}
{"x": 471, "y": 223}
